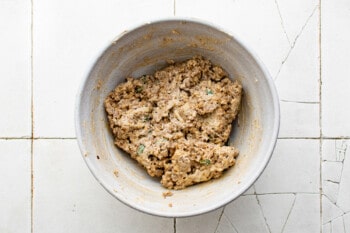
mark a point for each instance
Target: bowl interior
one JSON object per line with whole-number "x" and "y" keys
{"x": 144, "y": 50}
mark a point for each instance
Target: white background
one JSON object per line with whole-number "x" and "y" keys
{"x": 46, "y": 47}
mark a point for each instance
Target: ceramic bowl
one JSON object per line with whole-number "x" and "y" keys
{"x": 143, "y": 50}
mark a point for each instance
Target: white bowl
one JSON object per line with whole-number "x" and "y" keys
{"x": 143, "y": 50}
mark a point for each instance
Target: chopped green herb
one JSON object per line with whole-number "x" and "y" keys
{"x": 146, "y": 118}
{"x": 205, "y": 162}
{"x": 139, "y": 89}
{"x": 160, "y": 141}
{"x": 209, "y": 92}
{"x": 140, "y": 149}
{"x": 143, "y": 79}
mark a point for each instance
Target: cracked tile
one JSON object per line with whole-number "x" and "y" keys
{"x": 330, "y": 190}
{"x": 346, "y": 219}
{"x": 305, "y": 215}
{"x": 276, "y": 208}
{"x": 295, "y": 14}
{"x": 332, "y": 171}
{"x": 336, "y": 166}
{"x": 334, "y": 150}
{"x": 340, "y": 150}
{"x": 225, "y": 226}
{"x": 15, "y": 186}
{"x": 338, "y": 225}
{"x": 344, "y": 187}
{"x": 15, "y": 72}
{"x": 333, "y": 155}
{"x": 65, "y": 49}
{"x": 327, "y": 228}
{"x": 329, "y": 210}
{"x": 251, "y": 190}
{"x": 199, "y": 224}
{"x": 292, "y": 159}
{"x": 64, "y": 190}
{"x": 246, "y": 216}
{"x": 299, "y": 120}
{"x": 298, "y": 78}
{"x": 335, "y": 68}
{"x": 258, "y": 26}
{"x": 283, "y": 213}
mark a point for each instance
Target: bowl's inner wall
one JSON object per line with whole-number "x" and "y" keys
{"x": 143, "y": 51}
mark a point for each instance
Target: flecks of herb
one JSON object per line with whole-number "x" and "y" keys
{"x": 146, "y": 118}
{"x": 162, "y": 140}
{"x": 205, "y": 162}
{"x": 139, "y": 89}
{"x": 209, "y": 92}
{"x": 143, "y": 79}
{"x": 140, "y": 149}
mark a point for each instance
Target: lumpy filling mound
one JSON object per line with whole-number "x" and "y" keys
{"x": 175, "y": 122}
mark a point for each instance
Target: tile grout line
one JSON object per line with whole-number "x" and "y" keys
{"x": 320, "y": 105}
{"x": 32, "y": 118}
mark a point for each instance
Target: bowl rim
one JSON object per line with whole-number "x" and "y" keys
{"x": 257, "y": 173}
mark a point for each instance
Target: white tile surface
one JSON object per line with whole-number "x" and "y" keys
{"x": 332, "y": 171}
{"x": 15, "y": 192}
{"x": 299, "y": 120}
{"x": 305, "y": 215}
{"x": 294, "y": 15}
{"x": 199, "y": 224}
{"x": 338, "y": 225}
{"x": 15, "y": 71}
{"x": 225, "y": 226}
{"x": 68, "y": 36}
{"x": 335, "y": 68}
{"x": 329, "y": 210}
{"x": 334, "y": 150}
{"x": 343, "y": 200}
{"x": 276, "y": 209}
{"x": 272, "y": 213}
{"x": 336, "y": 184}
{"x": 242, "y": 209}
{"x": 327, "y": 228}
{"x": 259, "y": 26}
{"x": 68, "y": 199}
{"x": 346, "y": 219}
{"x": 292, "y": 159}
{"x": 298, "y": 78}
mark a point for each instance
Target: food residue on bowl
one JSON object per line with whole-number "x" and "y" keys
{"x": 176, "y": 122}
{"x": 116, "y": 173}
{"x": 167, "y": 194}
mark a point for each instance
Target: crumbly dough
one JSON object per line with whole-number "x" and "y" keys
{"x": 176, "y": 122}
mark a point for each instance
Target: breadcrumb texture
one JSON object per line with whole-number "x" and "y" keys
{"x": 175, "y": 123}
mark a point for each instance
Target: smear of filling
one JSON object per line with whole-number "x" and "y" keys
{"x": 176, "y": 122}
